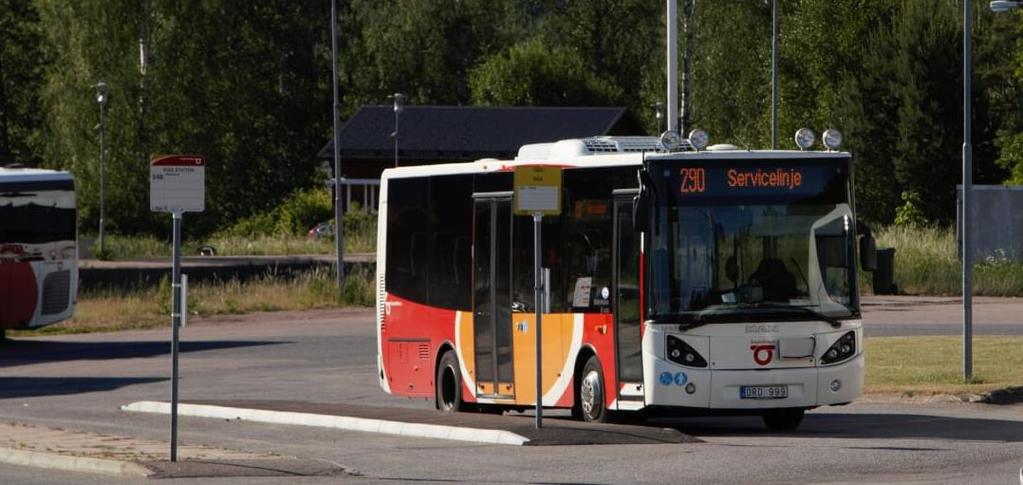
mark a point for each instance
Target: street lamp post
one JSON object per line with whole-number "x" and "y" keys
{"x": 339, "y": 223}
{"x": 102, "y": 96}
{"x": 399, "y": 106}
{"x": 774, "y": 74}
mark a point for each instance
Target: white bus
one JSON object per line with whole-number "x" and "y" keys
{"x": 718, "y": 281}
{"x": 38, "y": 248}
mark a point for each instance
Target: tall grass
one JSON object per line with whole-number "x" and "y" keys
{"x": 359, "y": 238}
{"x": 926, "y": 264}
{"x": 115, "y": 309}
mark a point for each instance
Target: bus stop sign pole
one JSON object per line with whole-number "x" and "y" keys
{"x": 175, "y": 326}
{"x": 177, "y": 184}
{"x": 538, "y": 193}
{"x": 538, "y": 304}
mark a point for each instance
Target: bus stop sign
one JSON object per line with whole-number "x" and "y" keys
{"x": 177, "y": 183}
{"x": 537, "y": 190}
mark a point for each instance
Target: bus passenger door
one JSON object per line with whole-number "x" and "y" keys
{"x": 492, "y": 332}
{"x": 628, "y": 325}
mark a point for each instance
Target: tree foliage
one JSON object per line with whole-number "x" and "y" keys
{"x": 247, "y": 84}
{"x": 530, "y": 74}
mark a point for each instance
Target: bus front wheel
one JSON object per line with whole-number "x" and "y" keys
{"x": 783, "y": 419}
{"x": 448, "y": 388}
{"x": 590, "y": 395}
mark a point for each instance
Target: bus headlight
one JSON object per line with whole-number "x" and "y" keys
{"x": 681, "y": 353}
{"x": 841, "y": 350}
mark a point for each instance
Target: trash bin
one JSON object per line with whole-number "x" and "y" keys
{"x": 884, "y": 275}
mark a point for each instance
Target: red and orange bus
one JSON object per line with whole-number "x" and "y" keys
{"x": 720, "y": 280}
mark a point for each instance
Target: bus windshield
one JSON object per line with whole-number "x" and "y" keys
{"x": 744, "y": 241}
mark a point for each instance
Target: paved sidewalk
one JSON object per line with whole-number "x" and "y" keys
{"x": 84, "y": 451}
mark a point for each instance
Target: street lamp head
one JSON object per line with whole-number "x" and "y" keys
{"x": 101, "y": 93}
{"x": 399, "y": 102}
{"x": 998, "y": 6}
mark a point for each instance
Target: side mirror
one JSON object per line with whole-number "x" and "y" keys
{"x": 868, "y": 253}
{"x": 641, "y": 203}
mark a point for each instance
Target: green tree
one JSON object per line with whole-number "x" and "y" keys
{"x": 423, "y": 48}
{"x": 21, "y": 80}
{"x": 530, "y": 74}
{"x": 245, "y": 84}
{"x": 90, "y": 41}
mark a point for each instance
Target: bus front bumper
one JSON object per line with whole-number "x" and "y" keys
{"x": 720, "y": 389}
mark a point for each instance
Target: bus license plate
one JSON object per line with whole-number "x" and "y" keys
{"x": 763, "y": 392}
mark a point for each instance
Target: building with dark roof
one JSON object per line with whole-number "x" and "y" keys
{"x": 444, "y": 134}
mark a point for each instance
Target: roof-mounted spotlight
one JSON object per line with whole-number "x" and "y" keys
{"x": 805, "y": 138}
{"x": 670, "y": 141}
{"x": 832, "y": 138}
{"x": 698, "y": 139}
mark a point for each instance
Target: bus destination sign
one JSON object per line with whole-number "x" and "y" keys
{"x": 722, "y": 180}
{"x": 177, "y": 183}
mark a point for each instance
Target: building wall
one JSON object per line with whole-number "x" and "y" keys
{"x": 996, "y": 214}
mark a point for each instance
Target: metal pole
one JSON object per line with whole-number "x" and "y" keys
{"x": 537, "y": 303}
{"x": 672, "y": 41}
{"x": 687, "y": 14}
{"x": 397, "y": 114}
{"x": 175, "y": 325}
{"x": 774, "y": 74}
{"x": 339, "y": 226}
{"x": 102, "y": 174}
{"x": 967, "y": 188}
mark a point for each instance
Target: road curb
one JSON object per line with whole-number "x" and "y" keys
{"x": 40, "y": 459}
{"x": 419, "y": 430}
{"x": 1008, "y": 395}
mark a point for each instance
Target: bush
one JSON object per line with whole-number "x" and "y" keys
{"x": 300, "y": 211}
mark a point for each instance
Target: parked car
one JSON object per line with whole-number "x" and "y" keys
{"x": 321, "y": 230}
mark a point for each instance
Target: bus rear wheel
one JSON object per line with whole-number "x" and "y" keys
{"x": 783, "y": 419}
{"x": 448, "y": 388}
{"x": 590, "y": 393}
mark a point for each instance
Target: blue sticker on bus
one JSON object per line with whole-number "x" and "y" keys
{"x": 681, "y": 379}
{"x": 666, "y": 378}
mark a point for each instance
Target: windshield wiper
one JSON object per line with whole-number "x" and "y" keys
{"x": 801, "y": 309}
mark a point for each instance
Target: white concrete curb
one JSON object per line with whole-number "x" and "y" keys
{"x": 41, "y": 459}
{"x": 457, "y": 433}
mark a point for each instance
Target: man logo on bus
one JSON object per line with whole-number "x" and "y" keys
{"x": 762, "y": 353}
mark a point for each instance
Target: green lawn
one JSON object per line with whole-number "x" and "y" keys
{"x": 934, "y": 365}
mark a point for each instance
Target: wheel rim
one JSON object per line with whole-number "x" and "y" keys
{"x": 590, "y": 394}
{"x": 447, "y": 388}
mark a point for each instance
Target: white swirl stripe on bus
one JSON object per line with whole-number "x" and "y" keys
{"x": 551, "y": 397}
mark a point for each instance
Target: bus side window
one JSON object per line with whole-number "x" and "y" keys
{"x": 420, "y": 258}
{"x": 589, "y": 255}
{"x": 407, "y": 241}
{"x": 522, "y": 264}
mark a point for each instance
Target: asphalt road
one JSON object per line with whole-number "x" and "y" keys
{"x": 78, "y": 381}
{"x": 887, "y": 316}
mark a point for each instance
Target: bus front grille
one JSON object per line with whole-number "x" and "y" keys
{"x": 56, "y": 292}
